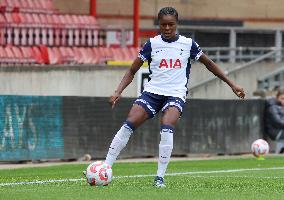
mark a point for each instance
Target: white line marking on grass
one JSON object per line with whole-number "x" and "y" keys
{"x": 42, "y": 182}
{"x": 204, "y": 172}
{"x": 151, "y": 175}
{"x": 254, "y": 177}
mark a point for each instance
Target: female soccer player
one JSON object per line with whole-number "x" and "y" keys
{"x": 169, "y": 57}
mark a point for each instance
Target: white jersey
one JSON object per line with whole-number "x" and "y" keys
{"x": 169, "y": 64}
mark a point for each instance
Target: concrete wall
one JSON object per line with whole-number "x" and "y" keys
{"x": 36, "y": 127}
{"x": 72, "y": 6}
{"x": 101, "y": 81}
{"x": 246, "y": 77}
{"x": 62, "y": 81}
{"x": 256, "y": 11}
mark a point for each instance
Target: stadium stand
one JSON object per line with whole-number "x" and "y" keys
{"x": 32, "y": 6}
{"x": 33, "y": 32}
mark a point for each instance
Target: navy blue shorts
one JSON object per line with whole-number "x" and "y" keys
{"x": 153, "y": 103}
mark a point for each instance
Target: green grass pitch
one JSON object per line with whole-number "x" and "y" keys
{"x": 236, "y": 178}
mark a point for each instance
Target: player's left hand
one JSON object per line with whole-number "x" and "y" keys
{"x": 239, "y": 91}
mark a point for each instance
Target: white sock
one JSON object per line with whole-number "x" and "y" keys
{"x": 165, "y": 149}
{"x": 118, "y": 143}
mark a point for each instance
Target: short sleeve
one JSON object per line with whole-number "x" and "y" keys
{"x": 145, "y": 52}
{"x": 195, "y": 51}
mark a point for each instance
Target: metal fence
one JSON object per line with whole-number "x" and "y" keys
{"x": 272, "y": 81}
{"x": 242, "y": 54}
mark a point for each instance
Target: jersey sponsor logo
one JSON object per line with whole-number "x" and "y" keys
{"x": 171, "y": 63}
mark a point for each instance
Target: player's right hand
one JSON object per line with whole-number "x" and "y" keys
{"x": 113, "y": 99}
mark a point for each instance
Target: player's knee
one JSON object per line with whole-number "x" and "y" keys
{"x": 169, "y": 123}
{"x": 137, "y": 116}
{"x": 170, "y": 120}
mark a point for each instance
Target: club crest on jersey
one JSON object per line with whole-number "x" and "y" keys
{"x": 171, "y": 63}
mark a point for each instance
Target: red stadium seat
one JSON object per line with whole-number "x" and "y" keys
{"x": 66, "y": 30}
{"x": 76, "y": 33}
{"x": 126, "y": 54}
{"x": 2, "y": 19}
{"x": 90, "y": 56}
{"x": 16, "y": 18}
{"x": 37, "y": 56}
{"x": 71, "y": 53}
{"x": 93, "y": 59}
{"x": 8, "y": 18}
{"x": 52, "y": 24}
{"x": 30, "y": 28}
{"x": 11, "y": 5}
{"x": 46, "y": 5}
{"x": 11, "y": 58}
{"x": 9, "y": 29}
{"x": 76, "y": 30}
{"x": 102, "y": 54}
{"x": 61, "y": 59}
{"x": 44, "y": 53}
{"x": 78, "y": 55}
{"x": 2, "y": 30}
{"x": 24, "y": 4}
{"x": 28, "y": 55}
{"x": 16, "y": 28}
{"x": 92, "y": 20}
{"x": 56, "y": 29}
{"x": 117, "y": 54}
{"x": 23, "y": 30}
{"x": 76, "y": 20}
{"x": 30, "y": 6}
{"x": 96, "y": 55}
{"x": 35, "y": 34}
{"x": 36, "y": 4}
{"x": 33, "y": 4}
{"x": 18, "y": 55}
{"x": 107, "y": 53}
{"x": 37, "y": 23}
{"x": 44, "y": 29}
{"x": 45, "y": 23}
{"x": 67, "y": 55}
{"x": 51, "y": 56}
{"x": 134, "y": 51}
{"x": 55, "y": 56}
{"x": 86, "y": 57}
{"x": 3, "y": 56}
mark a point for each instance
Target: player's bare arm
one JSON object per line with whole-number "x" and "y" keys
{"x": 126, "y": 80}
{"x": 213, "y": 67}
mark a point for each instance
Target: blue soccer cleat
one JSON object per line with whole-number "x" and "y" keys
{"x": 159, "y": 182}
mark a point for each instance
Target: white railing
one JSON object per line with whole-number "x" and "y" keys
{"x": 240, "y": 54}
{"x": 270, "y": 55}
{"x": 271, "y": 81}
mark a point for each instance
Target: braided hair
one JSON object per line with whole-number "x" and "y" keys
{"x": 168, "y": 11}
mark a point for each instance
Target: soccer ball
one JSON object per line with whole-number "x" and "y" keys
{"x": 99, "y": 174}
{"x": 259, "y": 148}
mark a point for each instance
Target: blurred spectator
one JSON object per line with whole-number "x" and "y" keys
{"x": 274, "y": 117}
